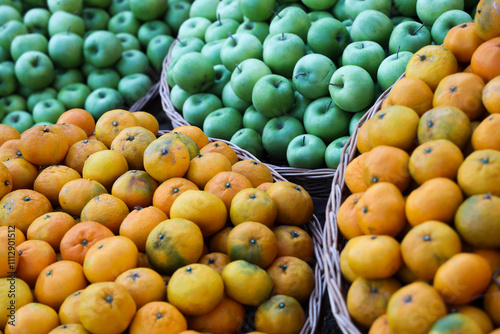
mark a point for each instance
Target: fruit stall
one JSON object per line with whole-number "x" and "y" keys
{"x": 250, "y": 166}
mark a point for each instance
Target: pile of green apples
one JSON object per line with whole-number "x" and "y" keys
{"x": 93, "y": 54}
{"x": 289, "y": 80}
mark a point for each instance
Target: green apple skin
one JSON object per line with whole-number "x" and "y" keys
{"x": 48, "y": 111}
{"x": 239, "y": 47}
{"x": 354, "y": 7}
{"x": 300, "y": 104}
{"x": 306, "y": 151}
{"x": 325, "y": 119}
{"x": 134, "y": 86}
{"x": 29, "y": 42}
{"x": 273, "y": 95}
{"x": 157, "y": 50}
{"x": 282, "y": 52}
{"x": 178, "y": 96}
{"x": 254, "y": 120}
{"x": 186, "y": 45}
{"x": 353, "y": 124}
{"x": 8, "y": 81}
{"x": 194, "y": 72}
{"x": 220, "y": 29}
{"x": 446, "y": 21}
{"x": 95, "y": 18}
{"x": 102, "y": 48}
{"x": 245, "y": 76}
{"x": 34, "y": 70}
{"x": 62, "y": 21}
{"x": 36, "y": 20}
{"x": 230, "y": 9}
{"x": 311, "y": 75}
{"x": 198, "y": 106}
{"x": 74, "y": 95}
{"x": 133, "y": 61}
{"x": 4, "y": 54}
{"x": 97, "y": 3}
{"x": 39, "y": 95}
{"x": 148, "y": 10}
{"x": 223, "y": 123}
{"x": 222, "y": 77}
{"x": 124, "y": 22}
{"x": 63, "y": 77}
{"x": 333, "y": 152}
{"x": 149, "y": 30}
{"x": 21, "y": 6}
{"x": 328, "y": 37}
{"x": 204, "y": 8}
{"x": 87, "y": 68}
{"x": 258, "y": 29}
{"x": 12, "y": 103}
{"x": 170, "y": 72}
{"x": 429, "y": 10}
{"x": 230, "y": 99}
{"x": 177, "y": 13}
{"x": 400, "y": 19}
{"x": 406, "y": 7}
{"x": 9, "y": 13}
{"x": 291, "y": 20}
{"x": 406, "y": 37}
{"x": 318, "y": 14}
{"x": 391, "y": 68}
{"x": 102, "y": 100}
{"x": 319, "y": 5}
{"x": 351, "y": 88}
{"x": 103, "y": 77}
{"x": 338, "y": 10}
{"x": 66, "y": 50}
{"x": 117, "y": 6}
{"x": 367, "y": 54}
{"x": 8, "y": 31}
{"x": 257, "y": 10}
{"x": 70, "y": 6}
{"x": 278, "y": 133}
{"x": 128, "y": 41}
{"x": 194, "y": 27}
{"x": 372, "y": 25}
{"x": 212, "y": 51}
{"x": 20, "y": 120}
{"x": 249, "y": 140}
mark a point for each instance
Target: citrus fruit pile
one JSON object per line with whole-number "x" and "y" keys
{"x": 423, "y": 217}
{"x": 110, "y": 227}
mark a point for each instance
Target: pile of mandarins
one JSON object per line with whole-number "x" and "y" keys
{"x": 109, "y": 227}
{"x": 423, "y": 217}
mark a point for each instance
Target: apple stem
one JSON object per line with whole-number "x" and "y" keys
{"x": 362, "y": 45}
{"x": 35, "y": 63}
{"x": 329, "y": 105}
{"x": 336, "y": 85}
{"x": 231, "y": 35}
{"x": 220, "y": 22}
{"x": 277, "y": 84}
{"x": 303, "y": 140}
{"x": 282, "y": 36}
{"x": 180, "y": 42}
{"x": 397, "y": 52}
{"x": 349, "y": 16}
{"x": 239, "y": 69}
{"x": 421, "y": 26}
{"x": 272, "y": 11}
{"x": 301, "y": 73}
{"x": 69, "y": 29}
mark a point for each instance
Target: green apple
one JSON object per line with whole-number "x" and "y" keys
{"x": 12, "y": 103}
{"x": 367, "y": 54}
{"x": 223, "y": 123}
{"x": 63, "y": 77}
{"x": 204, "y": 8}
{"x": 8, "y": 31}
{"x": 230, "y": 9}
{"x": 311, "y": 75}
{"x": 34, "y": 70}
{"x": 446, "y": 21}
{"x": 230, "y": 99}
{"x": 186, "y": 45}
{"x": 249, "y": 140}
{"x": 9, "y": 13}
{"x": 20, "y": 120}
{"x": 95, "y": 18}
{"x": 70, "y": 6}
{"x": 48, "y": 111}
{"x": 157, "y": 50}
{"x": 39, "y": 95}
{"x": 133, "y": 61}
{"x": 338, "y": 10}
{"x": 258, "y": 29}
{"x": 272, "y": 95}
{"x": 194, "y": 72}
{"x": 36, "y": 20}
{"x": 97, "y": 3}
{"x": 351, "y": 88}
{"x": 103, "y": 77}
{"x": 177, "y": 13}
{"x": 400, "y": 19}
{"x": 278, "y": 133}
{"x": 409, "y": 36}
{"x": 333, "y": 152}
{"x": 429, "y": 10}
{"x": 148, "y": 10}
{"x": 348, "y": 24}
{"x": 291, "y": 20}
{"x": 328, "y": 37}
{"x": 198, "y": 106}
{"x": 222, "y": 77}
{"x": 170, "y": 72}
{"x": 372, "y": 25}
{"x": 220, "y": 29}
{"x": 239, "y": 47}
{"x": 257, "y": 10}
{"x": 19, "y": 6}
{"x": 66, "y": 50}
{"x": 128, "y": 41}
{"x": 87, "y": 68}
{"x": 282, "y": 52}
{"x": 102, "y": 48}
{"x": 62, "y": 21}
{"x": 124, "y": 22}
{"x": 149, "y": 30}
{"x": 406, "y": 7}
{"x": 178, "y": 96}
{"x": 245, "y": 76}
{"x": 212, "y": 51}
{"x": 8, "y": 81}
{"x": 29, "y": 42}
{"x": 102, "y": 100}
{"x": 74, "y": 95}
{"x": 117, "y": 6}
{"x": 354, "y": 7}
{"x": 300, "y": 104}
{"x": 134, "y": 86}
{"x": 391, "y": 68}
{"x": 194, "y": 27}
{"x": 353, "y": 124}
{"x": 306, "y": 151}
{"x": 325, "y": 119}
{"x": 319, "y": 4}
{"x": 254, "y": 120}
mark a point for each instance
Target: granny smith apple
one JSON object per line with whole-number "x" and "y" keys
{"x": 40, "y": 95}
{"x": 353, "y": 124}
{"x": 74, "y": 95}
{"x": 272, "y": 95}
{"x": 170, "y": 72}
{"x": 124, "y": 22}
{"x": 62, "y": 21}
{"x": 348, "y": 24}
{"x": 204, "y": 8}
{"x": 28, "y": 42}
{"x": 367, "y": 54}
{"x": 406, "y": 7}
{"x": 222, "y": 77}
{"x": 325, "y": 119}
{"x": 198, "y": 106}
{"x": 400, "y": 19}
{"x": 66, "y": 49}
{"x": 354, "y": 7}
{"x": 391, "y": 68}
{"x": 278, "y": 133}
{"x": 220, "y": 29}
{"x": 157, "y": 50}
{"x": 117, "y": 6}
{"x": 95, "y": 18}
{"x": 12, "y": 103}
{"x": 63, "y": 77}
{"x": 245, "y": 76}
{"x": 103, "y": 77}
{"x": 223, "y": 123}
{"x": 194, "y": 72}
{"x": 429, "y": 10}
{"x": 212, "y": 51}
{"x": 149, "y": 30}
{"x": 338, "y": 10}
{"x": 177, "y": 13}
{"x": 134, "y": 86}
{"x": 70, "y": 6}
{"x": 8, "y": 31}
{"x": 148, "y": 10}
{"x": 102, "y": 48}
{"x": 254, "y": 120}
{"x": 318, "y": 14}
{"x": 282, "y": 52}
{"x": 239, "y": 47}
{"x": 230, "y": 9}
{"x": 230, "y": 99}
{"x": 306, "y": 151}
{"x": 249, "y": 140}
{"x": 48, "y": 111}
{"x": 102, "y": 100}
{"x": 372, "y": 25}
{"x": 328, "y": 37}
{"x": 311, "y": 75}
{"x": 9, "y": 13}
{"x": 257, "y": 10}
{"x": 351, "y": 88}
{"x": 20, "y": 6}
{"x": 20, "y": 120}
{"x": 186, "y": 45}
{"x": 128, "y": 41}
{"x": 133, "y": 61}
{"x": 319, "y": 4}
{"x": 97, "y": 3}
{"x": 34, "y": 70}
{"x": 291, "y": 20}
{"x": 409, "y": 36}
{"x": 178, "y": 96}
{"x": 300, "y": 104}
{"x": 333, "y": 152}
{"x": 446, "y": 21}
{"x": 258, "y": 29}
{"x": 194, "y": 27}
{"x": 8, "y": 81}
{"x": 37, "y": 20}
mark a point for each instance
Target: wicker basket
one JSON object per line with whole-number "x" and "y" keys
{"x": 316, "y": 181}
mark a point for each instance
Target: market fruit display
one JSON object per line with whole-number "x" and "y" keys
{"x": 131, "y": 230}
{"x": 421, "y": 219}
